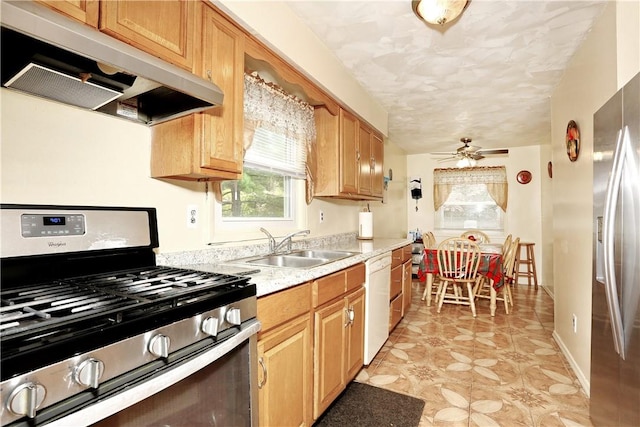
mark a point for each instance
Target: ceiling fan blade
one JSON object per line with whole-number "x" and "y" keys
{"x": 497, "y": 151}
{"x": 448, "y": 159}
{"x": 476, "y": 156}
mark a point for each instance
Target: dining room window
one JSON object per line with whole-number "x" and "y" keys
{"x": 470, "y": 198}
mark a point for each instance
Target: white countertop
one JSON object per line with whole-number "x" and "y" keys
{"x": 272, "y": 279}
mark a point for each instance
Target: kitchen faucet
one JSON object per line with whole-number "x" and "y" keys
{"x": 273, "y": 247}
{"x": 272, "y": 241}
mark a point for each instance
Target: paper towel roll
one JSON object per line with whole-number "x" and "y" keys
{"x": 365, "y": 228}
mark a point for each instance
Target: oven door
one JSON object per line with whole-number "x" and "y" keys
{"x": 216, "y": 387}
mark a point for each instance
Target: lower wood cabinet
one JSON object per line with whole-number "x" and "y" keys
{"x": 400, "y": 289}
{"x": 284, "y": 362}
{"x": 285, "y": 358}
{"x": 406, "y": 286}
{"x": 338, "y": 347}
{"x": 310, "y": 346}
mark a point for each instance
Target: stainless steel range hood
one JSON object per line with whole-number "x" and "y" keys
{"x": 48, "y": 55}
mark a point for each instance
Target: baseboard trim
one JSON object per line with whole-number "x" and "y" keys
{"x": 582, "y": 379}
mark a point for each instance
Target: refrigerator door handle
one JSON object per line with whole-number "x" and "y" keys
{"x": 608, "y": 237}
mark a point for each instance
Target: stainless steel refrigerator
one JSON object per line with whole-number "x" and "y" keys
{"x": 615, "y": 324}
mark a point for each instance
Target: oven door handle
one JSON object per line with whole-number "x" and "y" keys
{"x": 105, "y": 408}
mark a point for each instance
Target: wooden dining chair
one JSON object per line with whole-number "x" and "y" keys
{"x": 458, "y": 261}
{"x": 506, "y": 245}
{"x": 481, "y": 288}
{"x": 476, "y": 235}
{"x": 429, "y": 240}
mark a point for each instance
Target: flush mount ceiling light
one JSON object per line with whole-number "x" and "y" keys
{"x": 438, "y": 12}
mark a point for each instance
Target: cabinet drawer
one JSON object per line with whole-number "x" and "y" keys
{"x": 396, "y": 281}
{"x": 397, "y": 257}
{"x": 395, "y": 312}
{"x": 355, "y": 277}
{"x": 406, "y": 252}
{"x": 277, "y": 308}
{"x": 329, "y": 287}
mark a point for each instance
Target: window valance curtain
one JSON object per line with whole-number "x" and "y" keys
{"x": 268, "y": 106}
{"x": 494, "y": 177}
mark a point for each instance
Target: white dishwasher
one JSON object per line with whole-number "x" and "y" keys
{"x": 376, "y": 323}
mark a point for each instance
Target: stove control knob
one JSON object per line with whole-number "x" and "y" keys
{"x": 26, "y": 398}
{"x": 233, "y": 316}
{"x": 159, "y": 346}
{"x": 89, "y": 372}
{"x": 210, "y": 326}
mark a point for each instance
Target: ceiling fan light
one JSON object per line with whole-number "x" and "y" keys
{"x": 465, "y": 162}
{"x": 439, "y": 12}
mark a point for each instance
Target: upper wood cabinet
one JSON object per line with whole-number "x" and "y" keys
{"x": 207, "y": 145}
{"x": 377, "y": 172}
{"x": 365, "y": 160}
{"x": 349, "y": 157}
{"x": 85, "y": 11}
{"x": 165, "y": 29}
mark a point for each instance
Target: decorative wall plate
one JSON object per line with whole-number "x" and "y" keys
{"x": 550, "y": 169}
{"x": 572, "y": 141}
{"x": 524, "y": 177}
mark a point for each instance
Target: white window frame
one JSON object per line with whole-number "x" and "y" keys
{"x": 439, "y": 219}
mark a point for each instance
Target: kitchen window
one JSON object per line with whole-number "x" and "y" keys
{"x": 470, "y": 198}
{"x": 266, "y": 190}
{"x": 278, "y": 136}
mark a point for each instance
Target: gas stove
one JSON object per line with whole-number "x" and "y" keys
{"x": 83, "y": 303}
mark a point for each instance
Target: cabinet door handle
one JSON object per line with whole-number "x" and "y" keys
{"x": 352, "y": 315}
{"x": 209, "y": 75}
{"x": 348, "y": 317}
{"x": 264, "y": 373}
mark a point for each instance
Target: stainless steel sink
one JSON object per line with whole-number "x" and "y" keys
{"x": 299, "y": 259}
{"x": 319, "y": 253}
{"x": 287, "y": 261}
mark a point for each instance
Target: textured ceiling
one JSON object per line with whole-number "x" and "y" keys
{"x": 488, "y": 75}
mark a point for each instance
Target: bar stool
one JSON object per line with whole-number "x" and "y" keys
{"x": 529, "y": 261}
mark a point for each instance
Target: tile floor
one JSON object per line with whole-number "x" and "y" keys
{"x": 502, "y": 371}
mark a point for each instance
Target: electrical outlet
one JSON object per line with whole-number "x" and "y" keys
{"x": 574, "y": 322}
{"x": 192, "y": 216}
{"x": 321, "y": 217}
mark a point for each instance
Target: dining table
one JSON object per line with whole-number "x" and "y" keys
{"x": 490, "y": 266}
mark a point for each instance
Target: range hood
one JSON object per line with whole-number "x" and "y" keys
{"x": 48, "y": 55}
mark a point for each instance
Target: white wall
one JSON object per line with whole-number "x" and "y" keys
{"x": 609, "y": 54}
{"x": 390, "y": 216}
{"x": 523, "y": 216}
{"x": 545, "y": 262}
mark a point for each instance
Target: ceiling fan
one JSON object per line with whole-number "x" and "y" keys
{"x": 467, "y": 155}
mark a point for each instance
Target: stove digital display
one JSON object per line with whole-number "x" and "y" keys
{"x": 39, "y": 225}
{"x": 54, "y": 220}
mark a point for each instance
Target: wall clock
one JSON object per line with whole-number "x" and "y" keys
{"x": 572, "y": 140}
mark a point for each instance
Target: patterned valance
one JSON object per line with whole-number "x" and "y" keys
{"x": 269, "y": 106}
{"x": 494, "y": 177}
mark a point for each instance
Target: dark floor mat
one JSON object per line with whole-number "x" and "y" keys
{"x": 364, "y": 405}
